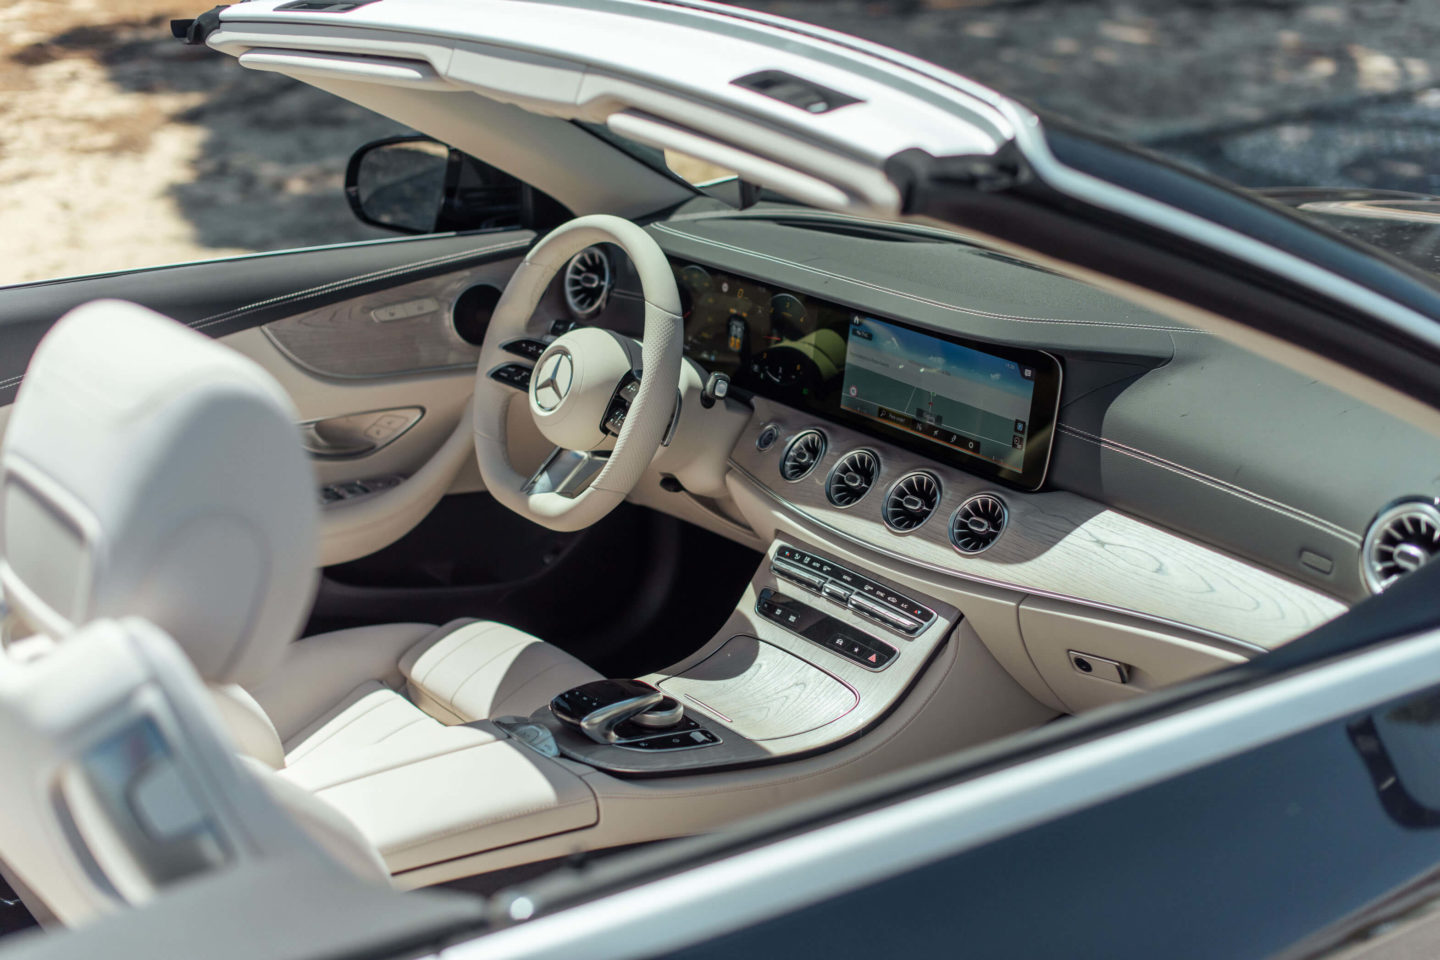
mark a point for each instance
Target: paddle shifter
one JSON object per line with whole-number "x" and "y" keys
{"x": 598, "y": 708}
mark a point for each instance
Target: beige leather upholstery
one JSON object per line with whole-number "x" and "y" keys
{"x": 123, "y": 492}
{"x": 148, "y": 470}
{"x": 471, "y": 670}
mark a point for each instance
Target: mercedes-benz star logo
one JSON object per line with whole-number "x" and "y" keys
{"x": 554, "y": 381}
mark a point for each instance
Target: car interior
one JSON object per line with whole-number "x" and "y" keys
{"x": 603, "y": 531}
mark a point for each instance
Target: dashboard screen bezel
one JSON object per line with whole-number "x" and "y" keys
{"x": 1044, "y": 404}
{"x": 1044, "y": 410}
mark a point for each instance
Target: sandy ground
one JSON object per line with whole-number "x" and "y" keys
{"x": 120, "y": 147}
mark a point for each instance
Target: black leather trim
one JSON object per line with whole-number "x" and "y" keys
{"x": 220, "y": 297}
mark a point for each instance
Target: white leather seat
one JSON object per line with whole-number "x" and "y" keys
{"x": 125, "y": 494}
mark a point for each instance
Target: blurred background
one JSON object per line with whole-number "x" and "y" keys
{"x": 120, "y": 147}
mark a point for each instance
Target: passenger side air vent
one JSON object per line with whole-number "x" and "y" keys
{"x": 852, "y": 478}
{"x": 911, "y": 501}
{"x": 588, "y": 279}
{"x": 977, "y": 523}
{"x": 1401, "y": 539}
{"x": 802, "y": 455}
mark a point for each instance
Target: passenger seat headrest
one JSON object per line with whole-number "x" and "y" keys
{"x": 149, "y": 471}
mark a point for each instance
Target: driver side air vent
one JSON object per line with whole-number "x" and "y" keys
{"x": 977, "y": 523}
{"x": 802, "y": 455}
{"x": 588, "y": 278}
{"x": 911, "y": 501}
{"x": 852, "y": 477}
{"x": 1402, "y": 538}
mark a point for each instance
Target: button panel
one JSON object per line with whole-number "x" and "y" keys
{"x": 515, "y": 375}
{"x": 818, "y": 627}
{"x": 866, "y": 597}
{"x": 354, "y": 489}
{"x": 525, "y": 347}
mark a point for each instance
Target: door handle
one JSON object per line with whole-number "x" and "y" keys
{"x": 357, "y": 434}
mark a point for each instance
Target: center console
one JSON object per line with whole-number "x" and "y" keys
{"x": 817, "y": 651}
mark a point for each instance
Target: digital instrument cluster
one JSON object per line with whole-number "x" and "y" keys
{"x": 983, "y": 407}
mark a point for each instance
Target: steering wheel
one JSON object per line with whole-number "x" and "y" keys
{"x": 578, "y": 382}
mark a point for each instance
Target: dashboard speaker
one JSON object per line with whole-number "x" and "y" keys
{"x": 472, "y": 311}
{"x": 911, "y": 501}
{"x": 977, "y": 523}
{"x": 802, "y": 455}
{"x": 852, "y": 477}
{"x": 1403, "y": 537}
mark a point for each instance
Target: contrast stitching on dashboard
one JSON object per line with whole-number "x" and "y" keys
{"x": 1161, "y": 328}
{"x": 385, "y": 274}
{"x": 1223, "y": 486}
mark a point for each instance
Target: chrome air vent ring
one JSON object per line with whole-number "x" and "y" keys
{"x": 852, "y": 477}
{"x": 587, "y": 281}
{"x": 1404, "y": 536}
{"x": 802, "y": 455}
{"x": 911, "y": 501}
{"x": 977, "y": 523}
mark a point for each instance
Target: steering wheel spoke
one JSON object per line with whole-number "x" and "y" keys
{"x": 566, "y": 473}
{"x": 583, "y": 390}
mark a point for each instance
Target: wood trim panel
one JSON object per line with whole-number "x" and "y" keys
{"x": 1057, "y": 543}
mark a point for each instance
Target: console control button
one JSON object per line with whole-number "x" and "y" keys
{"x": 834, "y": 635}
{"x": 876, "y": 601}
{"x": 674, "y": 741}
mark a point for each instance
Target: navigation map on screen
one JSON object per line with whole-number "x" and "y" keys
{"x": 953, "y": 395}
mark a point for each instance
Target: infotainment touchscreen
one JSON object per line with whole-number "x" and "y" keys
{"x": 984, "y": 407}
{"x": 951, "y": 395}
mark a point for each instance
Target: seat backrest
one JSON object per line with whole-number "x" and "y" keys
{"x": 149, "y": 471}
{"x": 120, "y": 782}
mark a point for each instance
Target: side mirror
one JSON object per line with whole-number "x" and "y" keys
{"x": 414, "y": 184}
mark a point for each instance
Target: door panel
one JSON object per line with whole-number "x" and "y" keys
{"x": 221, "y": 297}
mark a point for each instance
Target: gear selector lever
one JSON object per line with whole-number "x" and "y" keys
{"x": 597, "y": 708}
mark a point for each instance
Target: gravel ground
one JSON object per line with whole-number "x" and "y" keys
{"x": 120, "y": 147}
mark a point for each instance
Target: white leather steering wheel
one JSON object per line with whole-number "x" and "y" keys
{"x": 575, "y": 379}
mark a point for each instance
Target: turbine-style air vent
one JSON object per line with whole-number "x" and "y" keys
{"x": 588, "y": 279}
{"x": 911, "y": 501}
{"x": 1399, "y": 540}
{"x": 802, "y": 455}
{"x": 977, "y": 523}
{"x": 852, "y": 477}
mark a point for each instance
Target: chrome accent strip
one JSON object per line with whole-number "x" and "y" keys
{"x": 1244, "y": 647}
{"x": 695, "y": 905}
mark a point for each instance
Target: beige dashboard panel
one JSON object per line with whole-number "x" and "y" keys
{"x": 1057, "y": 544}
{"x": 1152, "y": 657}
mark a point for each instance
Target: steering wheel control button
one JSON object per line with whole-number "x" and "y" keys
{"x": 834, "y": 635}
{"x": 553, "y": 381}
{"x": 619, "y": 407}
{"x": 527, "y": 348}
{"x": 866, "y": 597}
{"x": 768, "y": 437}
{"x": 512, "y": 375}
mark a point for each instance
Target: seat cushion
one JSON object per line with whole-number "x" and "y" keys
{"x": 371, "y": 730}
{"x": 478, "y": 669}
{"x": 421, "y": 791}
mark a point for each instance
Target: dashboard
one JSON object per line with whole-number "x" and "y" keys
{"x": 1130, "y": 409}
{"x": 986, "y": 408}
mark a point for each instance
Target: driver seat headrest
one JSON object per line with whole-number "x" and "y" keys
{"x": 148, "y": 471}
